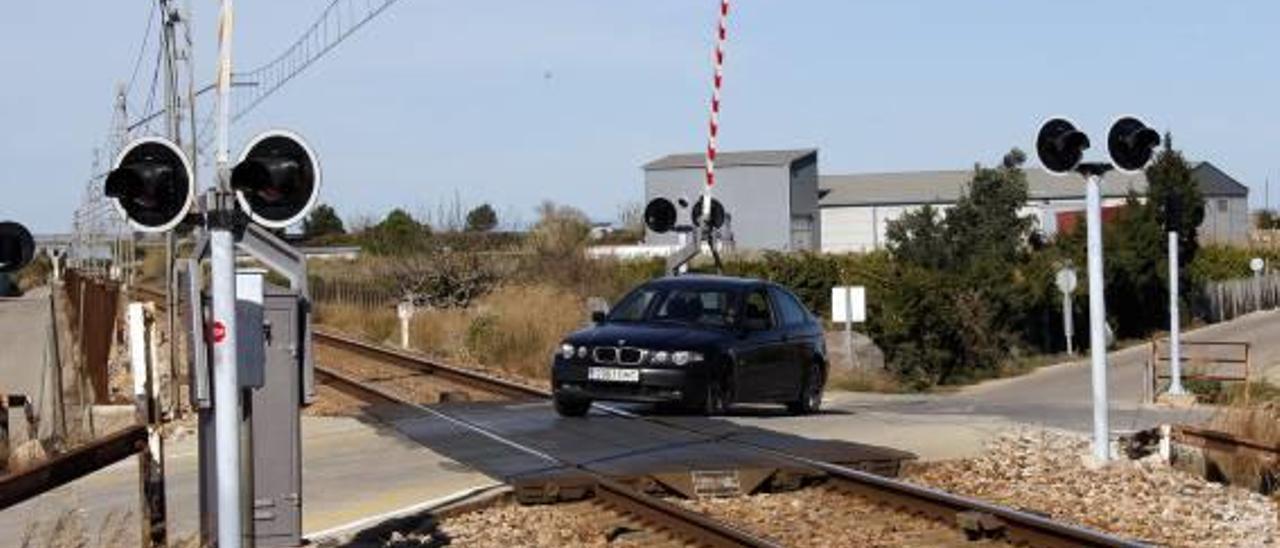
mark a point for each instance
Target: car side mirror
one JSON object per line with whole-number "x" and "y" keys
{"x": 598, "y": 316}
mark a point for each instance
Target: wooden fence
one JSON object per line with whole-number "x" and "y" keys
{"x": 94, "y": 306}
{"x": 350, "y": 293}
{"x": 1228, "y": 299}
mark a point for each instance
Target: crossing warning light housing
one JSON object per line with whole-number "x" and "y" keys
{"x": 151, "y": 184}
{"x": 17, "y": 248}
{"x": 277, "y": 180}
{"x": 1131, "y": 144}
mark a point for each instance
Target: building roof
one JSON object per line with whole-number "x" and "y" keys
{"x": 1216, "y": 183}
{"x": 731, "y": 159}
{"x": 944, "y": 187}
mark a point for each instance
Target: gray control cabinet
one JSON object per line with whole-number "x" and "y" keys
{"x": 277, "y": 433}
{"x": 271, "y": 360}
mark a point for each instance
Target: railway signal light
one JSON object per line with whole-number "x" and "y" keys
{"x": 277, "y": 180}
{"x": 717, "y": 213}
{"x": 17, "y": 248}
{"x": 1060, "y": 145}
{"x": 660, "y": 215}
{"x": 1131, "y": 144}
{"x": 151, "y": 184}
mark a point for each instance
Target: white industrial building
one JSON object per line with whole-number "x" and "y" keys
{"x": 856, "y": 209}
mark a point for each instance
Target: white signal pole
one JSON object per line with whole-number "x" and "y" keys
{"x": 1097, "y": 313}
{"x": 1175, "y": 342}
{"x": 226, "y": 382}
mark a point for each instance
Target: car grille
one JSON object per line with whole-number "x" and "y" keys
{"x": 625, "y": 355}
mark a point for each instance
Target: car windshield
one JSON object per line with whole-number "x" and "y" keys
{"x": 698, "y": 306}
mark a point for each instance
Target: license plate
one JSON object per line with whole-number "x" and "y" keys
{"x": 613, "y": 374}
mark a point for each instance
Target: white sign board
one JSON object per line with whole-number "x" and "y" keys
{"x": 1066, "y": 280}
{"x": 849, "y": 304}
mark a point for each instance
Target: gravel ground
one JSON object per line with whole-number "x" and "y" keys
{"x": 331, "y": 402}
{"x": 821, "y": 517}
{"x": 510, "y": 525}
{"x": 1048, "y": 471}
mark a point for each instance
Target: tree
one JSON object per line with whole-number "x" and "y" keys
{"x": 956, "y": 306}
{"x": 323, "y": 221}
{"x": 1174, "y": 194}
{"x": 482, "y": 219}
{"x": 397, "y": 234}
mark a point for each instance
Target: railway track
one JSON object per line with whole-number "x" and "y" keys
{"x": 647, "y": 509}
{"x": 973, "y": 516}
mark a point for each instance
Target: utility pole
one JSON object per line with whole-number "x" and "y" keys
{"x": 226, "y": 382}
{"x": 173, "y": 118}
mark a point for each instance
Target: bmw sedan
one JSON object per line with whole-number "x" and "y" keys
{"x": 704, "y": 342}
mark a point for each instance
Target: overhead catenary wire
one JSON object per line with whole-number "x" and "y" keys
{"x": 142, "y": 49}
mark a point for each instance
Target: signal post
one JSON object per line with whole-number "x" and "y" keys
{"x": 1060, "y": 147}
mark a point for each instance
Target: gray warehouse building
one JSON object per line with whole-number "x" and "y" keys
{"x": 771, "y": 196}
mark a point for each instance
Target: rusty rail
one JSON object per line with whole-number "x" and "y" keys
{"x": 72, "y": 465}
{"x": 1217, "y": 440}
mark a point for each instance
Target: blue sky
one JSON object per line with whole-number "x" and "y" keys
{"x": 513, "y": 102}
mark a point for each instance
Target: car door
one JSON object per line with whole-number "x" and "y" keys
{"x": 797, "y": 341}
{"x": 759, "y": 350}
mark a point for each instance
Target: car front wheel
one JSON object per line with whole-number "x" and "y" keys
{"x": 714, "y": 401}
{"x": 571, "y": 407}
{"x": 810, "y": 398}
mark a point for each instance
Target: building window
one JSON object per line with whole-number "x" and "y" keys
{"x": 1222, "y": 206}
{"x": 802, "y": 232}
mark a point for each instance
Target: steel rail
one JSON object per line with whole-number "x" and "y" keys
{"x": 72, "y": 465}
{"x": 697, "y": 527}
{"x": 1019, "y": 526}
{"x": 459, "y": 375}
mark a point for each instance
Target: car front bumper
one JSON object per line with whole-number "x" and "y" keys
{"x": 655, "y": 385}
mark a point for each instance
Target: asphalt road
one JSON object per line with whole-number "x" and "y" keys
{"x": 350, "y": 471}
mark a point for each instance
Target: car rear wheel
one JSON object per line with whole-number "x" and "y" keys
{"x": 810, "y": 399}
{"x": 571, "y": 407}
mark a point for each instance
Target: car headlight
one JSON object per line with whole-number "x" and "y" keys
{"x": 685, "y": 357}
{"x": 582, "y": 352}
{"x": 566, "y": 350}
{"x": 661, "y": 357}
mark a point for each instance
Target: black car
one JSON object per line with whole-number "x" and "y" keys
{"x": 699, "y": 341}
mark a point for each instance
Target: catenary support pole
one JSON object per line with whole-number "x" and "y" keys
{"x": 1175, "y": 329}
{"x": 226, "y": 383}
{"x": 1097, "y": 316}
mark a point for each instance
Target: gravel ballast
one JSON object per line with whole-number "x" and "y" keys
{"x": 1050, "y": 472}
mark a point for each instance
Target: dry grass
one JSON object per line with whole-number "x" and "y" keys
{"x": 68, "y": 530}
{"x": 374, "y": 325}
{"x": 864, "y": 380}
{"x": 514, "y": 329}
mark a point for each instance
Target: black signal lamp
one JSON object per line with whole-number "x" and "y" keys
{"x": 151, "y": 184}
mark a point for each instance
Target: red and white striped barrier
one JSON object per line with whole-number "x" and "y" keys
{"x": 714, "y": 127}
